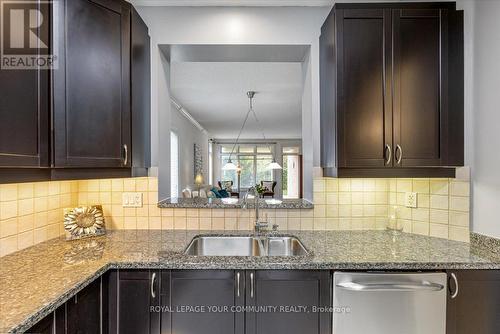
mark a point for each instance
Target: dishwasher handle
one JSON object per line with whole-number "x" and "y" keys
{"x": 403, "y": 286}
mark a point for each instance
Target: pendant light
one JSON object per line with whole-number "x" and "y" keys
{"x": 229, "y": 164}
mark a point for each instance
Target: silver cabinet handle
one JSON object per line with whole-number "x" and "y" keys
{"x": 125, "y": 159}
{"x": 400, "y": 156}
{"x": 455, "y": 280}
{"x": 354, "y": 286}
{"x": 388, "y": 154}
{"x": 153, "y": 278}
{"x": 238, "y": 284}
{"x": 251, "y": 285}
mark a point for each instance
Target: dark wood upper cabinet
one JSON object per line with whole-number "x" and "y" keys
{"x": 92, "y": 86}
{"x": 90, "y": 116}
{"x": 475, "y": 306}
{"x": 24, "y": 113}
{"x": 385, "y": 90}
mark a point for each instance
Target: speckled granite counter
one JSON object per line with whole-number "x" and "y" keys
{"x": 234, "y": 203}
{"x": 35, "y": 281}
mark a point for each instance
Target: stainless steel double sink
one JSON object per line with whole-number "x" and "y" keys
{"x": 246, "y": 246}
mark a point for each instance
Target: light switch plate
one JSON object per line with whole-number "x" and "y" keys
{"x": 132, "y": 200}
{"x": 411, "y": 200}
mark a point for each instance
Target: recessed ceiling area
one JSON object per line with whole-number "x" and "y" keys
{"x": 214, "y": 91}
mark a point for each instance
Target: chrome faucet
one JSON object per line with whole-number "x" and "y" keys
{"x": 259, "y": 226}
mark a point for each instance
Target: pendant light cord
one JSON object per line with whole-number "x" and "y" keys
{"x": 242, "y": 127}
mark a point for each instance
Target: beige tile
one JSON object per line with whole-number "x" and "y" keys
{"x": 154, "y": 210}
{"x": 179, "y": 212}
{"x": 293, "y": 224}
{"x": 25, "y": 223}
{"x": 92, "y": 198}
{"x": 41, "y": 189}
{"x": 439, "y": 187}
{"x": 424, "y": 201}
{"x": 205, "y": 213}
{"x": 129, "y": 184}
{"x": 40, "y": 235}
{"x": 230, "y": 213}
{"x": 230, "y": 223}
{"x": 117, "y": 210}
{"x": 369, "y": 210}
{"x": 117, "y": 185}
{"x": 345, "y": 210}
{"x": 205, "y": 223}
{"x": 41, "y": 219}
{"x": 406, "y": 224}
{"x": 319, "y": 224}
{"x": 368, "y": 223}
{"x": 420, "y": 214}
{"x": 153, "y": 184}
{"x": 356, "y": 184}
{"x": 345, "y": 198}
{"x": 54, "y": 188}
{"x": 458, "y": 188}
{"x": 369, "y": 198}
{"x": 192, "y": 223}
{"x": 218, "y": 224}
{"x": 421, "y": 186}
{"x": 8, "y": 192}
{"x": 438, "y": 216}
{"x": 167, "y": 223}
{"x": 404, "y": 185}
{"x": 458, "y": 233}
{"x": 8, "y": 210}
{"x": 143, "y": 212}
{"x": 357, "y": 198}
{"x": 319, "y": 211}
{"x": 153, "y": 197}
{"x": 356, "y": 223}
{"x": 218, "y": 213}
{"x": 154, "y": 223}
{"x": 116, "y": 223}
{"x": 116, "y": 198}
{"x": 105, "y": 197}
{"x": 180, "y": 223}
{"x": 25, "y": 190}
{"x": 459, "y": 203}
{"x": 307, "y": 224}
{"x": 381, "y": 198}
{"x": 8, "y": 227}
{"x": 83, "y": 185}
{"x": 369, "y": 185}
{"x": 141, "y": 184}
{"x": 344, "y": 184}
{"x": 296, "y": 213}
{"x": 332, "y": 198}
{"x": 420, "y": 228}
{"x": 404, "y": 213}
{"x": 25, "y": 207}
{"x": 319, "y": 198}
{"x": 65, "y": 201}
{"x": 130, "y": 223}
{"x": 381, "y": 210}
{"x": 105, "y": 185}
{"x": 8, "y": 245}
{"x": 381, "y": 223}
{"x": 332, "y": 211}
{"x": 129, "y": 212}
{"x": 332, "y": 185}
{"x": 381, "y": 185}
{"x": 393, "y": 185}
{"x": 439, "y": 202}
{"x": 167, "y": 212}
{"x": 54, "y": 216}
{"x": 332, "y": 224}
{"x": 25, "y": 240}
{"x": 344, "y": 223}
{"x": 53, "y": 202}
{"x": 307, "y": 213}
{"x": 319, "y": 185}
{"x": 357, "y": 210}
{"x": 52, "y": 231}
{"x": 459, "y": 218}
{"x": 65, "y": 187}
{"x": 93, "y": 185}
{"x": 82, "y": 198}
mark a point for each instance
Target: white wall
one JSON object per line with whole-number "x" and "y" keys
{"x": 482, "y": 111}
{"x": 188, "y": 136}
{"x": 232, "y": 25}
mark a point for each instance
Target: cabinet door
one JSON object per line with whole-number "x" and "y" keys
{"x": 138, "y": 290}
{"x": 420, "y": 86}
{"x": 476, "y": 307}
{"x": 44, "y": 326}
{"x": 92, "y": 85}
{"x": 288, "y": 288}
{"x": 83, "y": 311}
{"x": 24, "y": 112}
{"x": 203, "y": 289}
{"x": 364, "y": 110}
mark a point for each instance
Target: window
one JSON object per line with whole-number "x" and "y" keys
{"x": 174, "y": 165}
{"x": 253, "y": 160}
{"x": 292, "y": 174}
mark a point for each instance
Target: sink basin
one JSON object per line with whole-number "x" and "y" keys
{"x": 245, "y": 246}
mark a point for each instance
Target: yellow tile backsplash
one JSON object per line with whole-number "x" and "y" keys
{"x": 33, "y": 212}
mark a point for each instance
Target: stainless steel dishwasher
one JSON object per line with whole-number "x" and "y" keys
{"x": 389, "y": 303}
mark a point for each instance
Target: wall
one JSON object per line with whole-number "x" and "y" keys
{"x": 188, "y": 135}
{"x": 33, "y": 212}
{"x": 231, "y": 25}
{"x": 484, "y": 140}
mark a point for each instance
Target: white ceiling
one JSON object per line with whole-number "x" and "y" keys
{"x": 214, "y": 93}
{"x": 232, "y": 2}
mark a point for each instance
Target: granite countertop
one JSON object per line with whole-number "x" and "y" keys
{"x": 35, "y": 281}
{"x": 234, "y": 203}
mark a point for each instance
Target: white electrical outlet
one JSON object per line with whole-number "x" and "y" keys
{"x": 411, "y": 200}
{"x": 132, "y": 200}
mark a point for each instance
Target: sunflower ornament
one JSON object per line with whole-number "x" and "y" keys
{"x": 84, "y": 221}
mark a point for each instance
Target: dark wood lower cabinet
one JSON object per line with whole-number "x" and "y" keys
{"x": 44, "y": 326}
{"x": 83, "y": 311}
{"x": 476, "y": 307}
{"x": 285, "y": 289}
